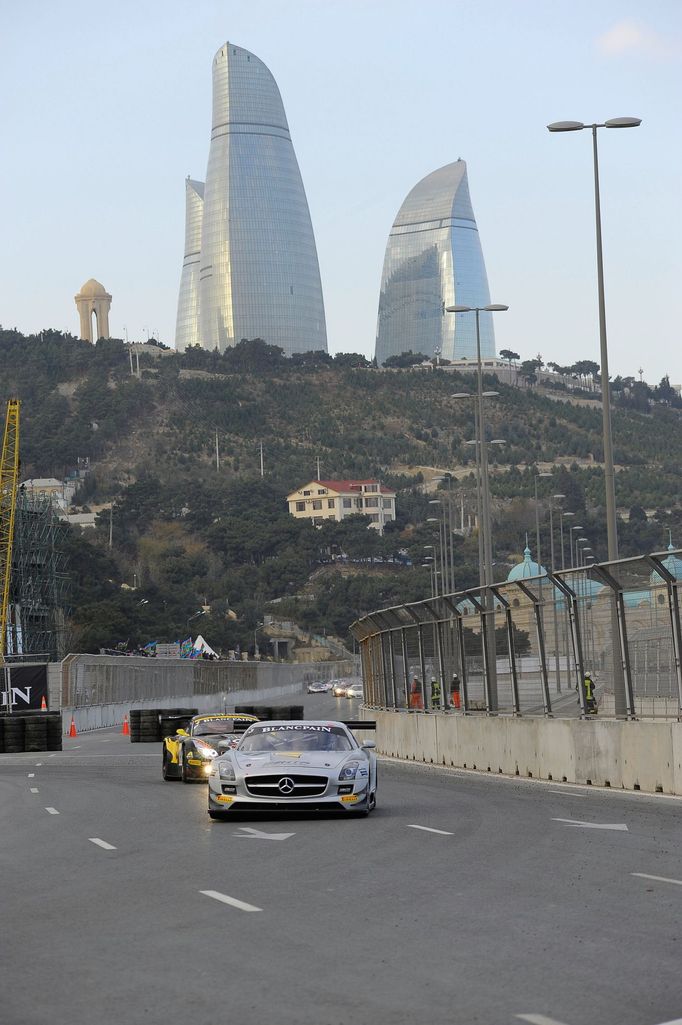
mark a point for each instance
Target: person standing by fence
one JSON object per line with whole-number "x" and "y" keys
{"x": 416, "y": 696}
{"x": 456, "y": 699}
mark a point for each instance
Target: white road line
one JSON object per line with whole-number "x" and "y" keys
{"x": 102, "y": 843}
{"x": 34, "y": 790}
{"x": 52, "y": 811}
{"x": 427, "y": 829}
{"x": 678, "y": 1021}
{"x": 38, "y": 764}
{"x": 31, "y": 775}
{"x": 568, "y": 793}
{"x": 541, "y": 1019}
{"x": 229, "y": 900}
{"x": 620, "y": 826}
{"x": 660, "y": 879}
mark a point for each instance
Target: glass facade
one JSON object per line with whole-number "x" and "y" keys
{"x": 258, "y": 270}
{"x": 187, "y": 324}
{"x": 433, "y": 260}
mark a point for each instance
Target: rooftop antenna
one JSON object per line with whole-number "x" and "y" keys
{"x": 262, "y": 469}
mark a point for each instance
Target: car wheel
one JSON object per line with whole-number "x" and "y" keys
{"x": 372, "y": 801}
{"x": 184, "y": 770}
{"x": 165, "y": 771}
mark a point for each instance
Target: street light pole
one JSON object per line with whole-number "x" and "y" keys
{"x": 609, "y": 472}
{"x": 485, "y": 526}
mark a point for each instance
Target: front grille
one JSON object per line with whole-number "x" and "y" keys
{"x": 269, "y": 786}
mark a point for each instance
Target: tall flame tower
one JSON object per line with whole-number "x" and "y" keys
{"x": 251, "y": 268}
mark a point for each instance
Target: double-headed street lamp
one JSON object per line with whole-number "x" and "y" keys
{"x": 485, "y": 524}
{"x": 609, "y": 471}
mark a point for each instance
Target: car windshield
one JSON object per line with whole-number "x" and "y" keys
{"x": 213, "y": 727}
{"x": 291, "y": 737}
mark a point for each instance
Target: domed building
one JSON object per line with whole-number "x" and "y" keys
{"x": 93, "y": 300}
{"x": 527, "y": 568}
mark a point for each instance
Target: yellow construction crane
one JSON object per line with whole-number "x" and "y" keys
{"x": 9, "y": 481}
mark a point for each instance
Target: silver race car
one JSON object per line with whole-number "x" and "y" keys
{"x": 280, "y": 765}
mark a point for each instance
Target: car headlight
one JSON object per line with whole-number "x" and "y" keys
{"x": 227, "y": 770}
{"x": 204, "y": 751}
{"x": 349, "y": 771}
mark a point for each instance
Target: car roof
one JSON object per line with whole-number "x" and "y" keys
{"x": 230, "y": 716}
{"x": 302, "y": 722}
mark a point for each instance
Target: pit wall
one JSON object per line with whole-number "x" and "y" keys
{"x": 99, "y": 690}
{"x": 627, "y": 755}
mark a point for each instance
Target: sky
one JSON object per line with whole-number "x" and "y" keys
{"x": 106, "y": 109}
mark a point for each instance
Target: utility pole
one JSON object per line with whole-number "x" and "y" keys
{"x": 217, "y": 454}
{"x": 318, "y": 467}
{"x": 137, "y": 363}
{"x": 262, "y": 468}
{"x": 111, "y": 526}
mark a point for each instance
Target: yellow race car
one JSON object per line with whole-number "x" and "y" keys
{"x": 188, "y": 754}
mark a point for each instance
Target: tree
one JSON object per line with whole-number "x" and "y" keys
{"x": 527, "y": 371}
{"x": 406, "y": 359}
{"x": 510, "y": 356}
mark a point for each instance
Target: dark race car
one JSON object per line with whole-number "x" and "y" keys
{"x": 189, "y": 754}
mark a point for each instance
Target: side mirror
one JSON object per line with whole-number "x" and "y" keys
{"x": 368, "y": 745}
{"x": 182, "y": 733}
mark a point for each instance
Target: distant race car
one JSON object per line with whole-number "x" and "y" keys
{"x": 339, "y": 688}
{"x": 354, "y": 690}
{"x": 319, "y": 687}
{"x": 189, "y": 754}
{"x": 288, "y": 765}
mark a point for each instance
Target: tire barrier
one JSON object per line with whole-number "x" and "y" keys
{"x": 32, "y": 730}
{"x": 272, "y": 711}
{"x": 151, "y": 725}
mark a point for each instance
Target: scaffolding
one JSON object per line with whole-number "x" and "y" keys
{"x": 38, "y": 590}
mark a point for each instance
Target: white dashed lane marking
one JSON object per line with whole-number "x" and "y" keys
{"x": 102, "y": 843}
{"x": 232, "y": 901}
{"x": 31, "y": 775}
{"x": 538, "y": 1019}
{"x": 52, "y": 811}
{"x": 34, "y": 790}
{"x": 660, "y": 879}
{"x": 428, "y": 829}
{"x": 619, "y": 826}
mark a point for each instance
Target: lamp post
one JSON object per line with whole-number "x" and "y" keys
{"x": 609, "y": 472}
{"x": 536, "y": 478}
{"x": 563, "y": 515}
{"x": 557, "y": 664}
{"x": 485, "y": 525}
{"x": 577, "y": 526}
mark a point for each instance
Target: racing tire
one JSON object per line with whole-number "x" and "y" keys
{"x": 169, "y": 778}
{"x": 184, "y": 771}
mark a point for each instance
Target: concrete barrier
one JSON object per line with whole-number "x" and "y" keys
{"x": 629, "y": 755}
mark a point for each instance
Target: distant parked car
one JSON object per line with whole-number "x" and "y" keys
{"x": 354, "y": 690}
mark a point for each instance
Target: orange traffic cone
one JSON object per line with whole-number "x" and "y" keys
{"x": 73, "y": 732}
{"x": 43, "y": 704}
{"x": 126, "y": 729}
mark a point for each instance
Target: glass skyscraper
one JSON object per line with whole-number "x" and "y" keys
{"x": 433, "y": 260}
{"x": 257, "y": 274}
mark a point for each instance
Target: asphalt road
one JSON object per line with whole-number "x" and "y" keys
{"x": 464, "y": 899}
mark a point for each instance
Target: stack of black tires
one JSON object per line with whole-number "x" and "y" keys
{"x": 151, "y": 725}
{"x": 272, "y": 711}
{"x": 30, "y": 731}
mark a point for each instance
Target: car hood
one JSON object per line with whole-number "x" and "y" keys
{"x": 273, "y": 760}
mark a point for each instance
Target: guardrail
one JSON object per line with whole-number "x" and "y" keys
{"x": 526, "y": 646}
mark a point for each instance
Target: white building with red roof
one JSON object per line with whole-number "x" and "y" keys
{"x": 335, "y": 499}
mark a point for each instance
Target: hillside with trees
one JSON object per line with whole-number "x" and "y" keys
{"x": 188, "y": 534}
